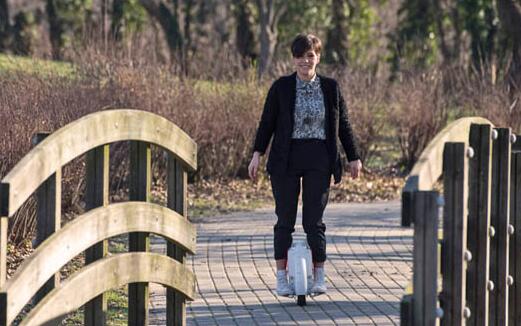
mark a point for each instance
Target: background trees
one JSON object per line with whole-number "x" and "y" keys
{"x": 391, "y": 36}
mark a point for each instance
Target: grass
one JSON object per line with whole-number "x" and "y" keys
{"x": 117, "y": 310}
{"x": 43, "y": 68}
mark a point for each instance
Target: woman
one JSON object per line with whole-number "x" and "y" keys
{"x": 306, "y": 114}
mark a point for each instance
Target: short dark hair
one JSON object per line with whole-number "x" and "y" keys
{"x": 305, "y": 42}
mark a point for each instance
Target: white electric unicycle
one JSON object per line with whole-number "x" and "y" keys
{"x": 300, "y": 270}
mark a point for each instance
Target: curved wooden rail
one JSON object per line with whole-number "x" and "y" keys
{"x": 109, "y": 273}
{"x": 84, "y": 134}
{"x": 428, "y": 168}
{"x": 86, "y": 230}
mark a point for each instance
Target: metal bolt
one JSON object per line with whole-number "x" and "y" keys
{"x": 467, "y": 255}
{"x": 510, "y": 280}
{"x": 494, "y": 134}
{"x": 492, "y": 231}
{"x": 466, "y": 312}
{"x": 513, "y": 138}
{"x": 439, "y": 312}
{"x": 490, "y": 286}
{"x": 470, "y": 152}
{"x": 511, "y": 229}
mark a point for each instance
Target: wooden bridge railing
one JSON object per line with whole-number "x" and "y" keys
{"x": 40, "y": 172}
{"x": 470, "y": 271}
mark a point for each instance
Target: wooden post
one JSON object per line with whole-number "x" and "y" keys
{"x": 48, "y": 215}
{"x": 140, "y": 179}
{"x": 425, "y": 276}
{"x": 4, "y": 222}
{"x": 96, "y": 194}
{"x": 406, "y": 318}
{"x": 3, "y": 309}
{"x": 477, "y": 293}
{"x": 514, "y": 297}
{"x": 499, "y": 220}
{"x": 454, "y": 242}
{"x": 176, "y": 200}
{"x": 407, "y": 208}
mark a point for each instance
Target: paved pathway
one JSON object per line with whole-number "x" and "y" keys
{"x": 369, "y": 264}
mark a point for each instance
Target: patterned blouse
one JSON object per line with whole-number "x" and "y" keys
{"x": 309, "y": 110}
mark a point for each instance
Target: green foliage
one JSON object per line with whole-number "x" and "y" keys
{"x": 134, "y": 17}
{"x": 362, "y": 19}
{"x": 414, "y": 42}
{"x": 72, "y": 14}
{"x": 303, "y": 16}
{"x": 480, "y": 20}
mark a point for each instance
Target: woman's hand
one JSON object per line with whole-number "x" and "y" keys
{"x": 254, "y": 166}
{"x": 355, "y": 167}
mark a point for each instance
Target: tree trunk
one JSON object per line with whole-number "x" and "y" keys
{"x": 4, "y": 25}
{"x": 269, "y": 16}
{"x": 244, "y": 37}
{"x": 169, "y": 22}
{"x": 188, "y": 6}
{"x": 104, "y": 18}
{"x": 117, "y": 20}
{"x": 21, "y": 44}
{"x": 510, "y": 16}
{"x": 337, "y": 36}
{"x": 55, "y": 30}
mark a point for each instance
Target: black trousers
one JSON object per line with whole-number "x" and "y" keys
{"x": 308, "y": 161}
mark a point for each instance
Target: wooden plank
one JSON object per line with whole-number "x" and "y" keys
{"x": 500, "y": 221}
{"x": 454, "y": 231}
{"x": 48, "y": 215}
{"x": 108, "y": 273}
{"x": 88, "y": 229}
{"x": 177, "y": 200}
{"x": 425, "y": 269}
{"x": 478, "y": 240}
{"x": 431, "y": 210}
{"x": 514, "y": 298}
{"x": 96, "y": 195}
{"x": 140, "y": 180}
{"x": 419, "y": 260}
{"x": 447, "y": 255}
{"x": 88, "y": 132}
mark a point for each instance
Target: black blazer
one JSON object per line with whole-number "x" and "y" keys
{"x": 278, "y": 119}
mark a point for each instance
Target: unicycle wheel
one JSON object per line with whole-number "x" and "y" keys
{"x": 301, "y": 300}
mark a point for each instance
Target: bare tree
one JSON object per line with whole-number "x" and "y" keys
{"x": 510, "y": 16}
{"x": 337, "y": 36}
{"x": 270, "y": 12}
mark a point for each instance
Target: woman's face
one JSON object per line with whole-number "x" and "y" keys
{"x": 306, "y": 64}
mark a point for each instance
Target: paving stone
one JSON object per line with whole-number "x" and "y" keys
{"x": 369, "y": 264}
